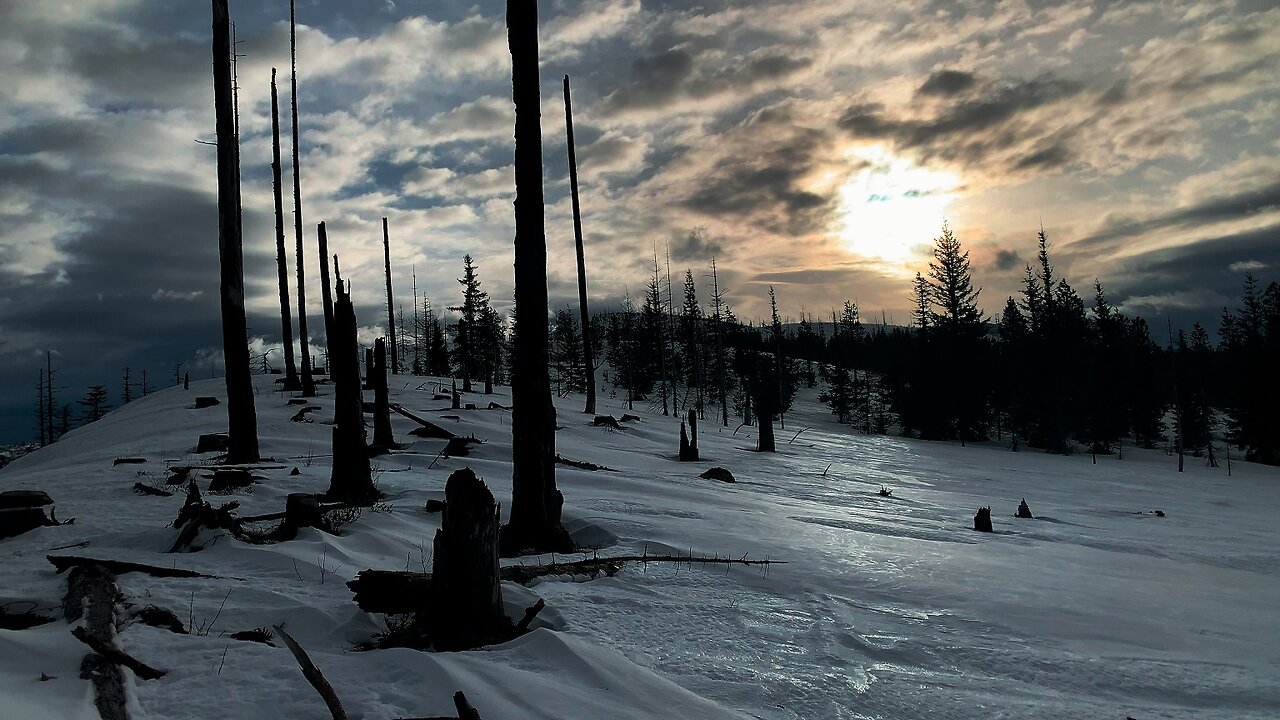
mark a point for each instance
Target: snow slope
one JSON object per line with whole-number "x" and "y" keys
{"x": 888, "y": 607}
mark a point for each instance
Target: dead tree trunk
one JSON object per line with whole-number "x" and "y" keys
{"x": 693, "y": 434}
{"x": 535, "y": 501}
{"x": 382, "y": 438}
{"x": 242, "y": 420}
{"x": 291, "y": 381}
{"x": 308, "y": 384}
{"x": 322, "y": 240}
{"x": 352, "y": 478}
{"x": 467, "y": 609}
{"x": 391, "y": 313}
{"x": 587, "y": 358}
{"x": 764, "y": 411}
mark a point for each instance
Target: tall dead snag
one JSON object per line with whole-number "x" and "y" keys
{"x": 322, "y": 240}
{"x": 352, "y": 479}
{"x": 286, "y": 320}
{"x": 535, "y": 501}
{"x": 308, "y": 384}
{"x": 391, "y": 311}
{"x": 764, "y": 411}
{"x": 382, "y": 438}
{"x": 587, "y": 358}
{"x": 466, "y": 591}
{"x": 242, "y": 420}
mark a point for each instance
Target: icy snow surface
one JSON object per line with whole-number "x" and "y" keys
{"x": 888, "y": 607}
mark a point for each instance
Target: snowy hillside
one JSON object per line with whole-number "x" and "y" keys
{"x": 889, "y": 607}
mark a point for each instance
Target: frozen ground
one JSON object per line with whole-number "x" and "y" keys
{"x": 889, "y": 607}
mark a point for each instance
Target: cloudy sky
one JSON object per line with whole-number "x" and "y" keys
{"x": 819, "y": 146}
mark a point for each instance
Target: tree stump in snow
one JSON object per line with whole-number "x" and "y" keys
{"x": 982, "y": 521}
{"x": 608, "y": 421}
{"x": 229, "y": 480}
{"x": 212, "y": 442}
{"x": 457, "y": 399}
{"x": 207, "y": 401}
{"x": 689, "y": 441}
{"x": 1024, "y": 510}
{"x": 467, "y": 609}
{"x": 301, "y": 510}
{"x": 382, "y": 437}
{"x": 718, "y": 473}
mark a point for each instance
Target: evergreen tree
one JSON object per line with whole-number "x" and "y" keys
{"x": 472, "y": 309}
{"x": 567, "y": 370}
{"x": 94, "y": 403}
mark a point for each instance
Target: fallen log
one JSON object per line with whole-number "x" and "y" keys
{"x": 116, "y": 656}
{"x": 460, "y": 446}
{"x": 16, "y": 521}
{"x": 62, "y": 563}
{"x": 24, "y": 499}
{"x": 301, "y": 415}
{"x": 128, "y": 461}
{"x": 425, "y": 428}
{"x": 143, "y": 489}
{"x": 581, "y": 465}
{"x": 313, "y": 675}
{"x": 396, "y": 592}
{"x": 608, "y": 421}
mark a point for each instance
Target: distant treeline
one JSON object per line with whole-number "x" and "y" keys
{"x": 1051, "y": 371}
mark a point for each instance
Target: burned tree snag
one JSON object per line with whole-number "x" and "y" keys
{"x": 982, "y": 520}
{"x": 322, "y": 240}
{"x": 391, "y": 313}
{"x": 370, "y": 368}
{"x": 587, "y": 359}
{"x": 242, "y": 420}
{"x": 1024, "y": 510}
{"x": 765, "y": 414}
{"x": 693, "y": 433}
{"x": 467, "y": 607}
{"x": 291, "y": 381}
{"x": 535, "y": 501}
{"x": 308, "y": 384}
{"x": 382, "y": 438}
{"x": 352, "y": 479}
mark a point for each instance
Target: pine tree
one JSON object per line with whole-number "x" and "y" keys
{"x": 94, "y": 403}
{"x": 474, "y": 302}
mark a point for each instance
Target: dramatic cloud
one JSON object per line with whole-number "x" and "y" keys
{"x": 813, "y": 146}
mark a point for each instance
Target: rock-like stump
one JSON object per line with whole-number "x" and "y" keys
{"x": 982, "y": 521}
{"x": 467, "y": 610}
{"x": 1024, "y": 510}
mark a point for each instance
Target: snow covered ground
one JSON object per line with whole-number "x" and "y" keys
{"x": 888, "y": 607}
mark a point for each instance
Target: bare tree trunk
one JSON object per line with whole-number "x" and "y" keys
{"x": 587, "y": 357}
{"x": 352, "y": 479}
{"x": 308, "y": 384}
{"x": 391, "y": 313}
{"x": 286, "y": 320}
{"x": 322, "y": 241}
{"x": 242, "y": 421}
{"x": 535, "y": 501}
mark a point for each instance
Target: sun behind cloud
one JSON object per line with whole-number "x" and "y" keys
{"x": 891, "y": 206}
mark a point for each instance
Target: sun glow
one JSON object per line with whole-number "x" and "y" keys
{"x": 892, "y": 206}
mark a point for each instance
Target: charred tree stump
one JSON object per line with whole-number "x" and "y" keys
{"x": 689, "y": 443}
{"x": 370, "y": 368}
{"x": 467, "y": 610}
{"x": 242, "y": 421}
{"x": 455, "y": 397}
{"x": 352, "y": 478}
{"x": 1024, "y": 510}
{"x": 291, "y": 381}
{"x": 982, "y": 521}
{"x": 766, "y": 442}
{"x": 382, "y": 437}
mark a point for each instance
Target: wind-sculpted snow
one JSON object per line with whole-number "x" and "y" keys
{"x": 889, "y": 607}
